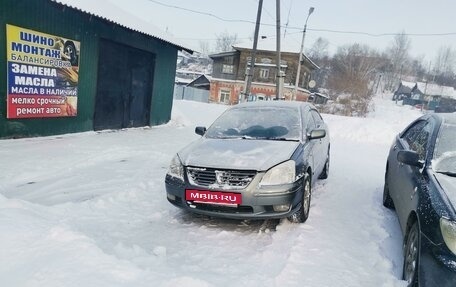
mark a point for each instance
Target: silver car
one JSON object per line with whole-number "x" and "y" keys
{"x": 256, "y": 161}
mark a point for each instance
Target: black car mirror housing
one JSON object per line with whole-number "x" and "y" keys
{"x": 200, "y": 131}
{"x": 409, "y": 158}
{"x": 316, "y": 134}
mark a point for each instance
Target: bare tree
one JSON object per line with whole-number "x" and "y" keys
{"x": 353, "y": 69}
{"x": 319, "y": 49}
{"x": 398, "y": 55}
{"x": 204, "y": 48}
{"x": 445, "y": 60}
{"x": 417, "y": 68}
{"x": 225, "y": 41}
{"x": 319, "y": 54}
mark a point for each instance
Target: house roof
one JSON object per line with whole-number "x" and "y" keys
{"x": 407, "y": 84}
{"x": 405, "y": 88}
{"x": 182, "y": 81}
{"x": 436, "y": 90}
{"x": 204, "y": 78}
{"x": 321, "y": 95}
{"x": 108, "y": 11}
{"x": 223, "y": 54}
{"x": 304, "y": 58}
{"x": 270, "y": 44}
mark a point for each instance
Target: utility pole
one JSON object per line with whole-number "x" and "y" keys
{"x": 425, "y": 88}
{"x": 249, "y": 72}
{"x": 279, "y": 78}
{"x": 295, "y": 92}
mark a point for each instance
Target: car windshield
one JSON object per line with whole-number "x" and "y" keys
{"x": 445, "y": 150}
{"x": 271, "y": 123}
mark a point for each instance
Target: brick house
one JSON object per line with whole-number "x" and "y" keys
{"x": 229, "y": 74}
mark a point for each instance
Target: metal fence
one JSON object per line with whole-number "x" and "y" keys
{"x": 191, "y": 94}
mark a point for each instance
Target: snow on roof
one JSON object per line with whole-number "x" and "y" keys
{"x": 270, "y": 44}
{"x": 410, "y": 85}
{"x": 112, "y": 13}
{"x": 188, "y": 72}
{"x": 321, "y": 95}
{"x": 436, "y": 90}
{"x": 222, "y": 54}
{"x": 179, "y": 80}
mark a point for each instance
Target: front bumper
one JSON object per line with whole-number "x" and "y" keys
{"x": 437, "y": 265}
{"x": 257, "y": 202}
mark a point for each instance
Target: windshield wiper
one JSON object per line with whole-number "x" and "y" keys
{"x": 279, "y": 139}
{"x": 245, "y": 137}
{"x": 449, "y": 173}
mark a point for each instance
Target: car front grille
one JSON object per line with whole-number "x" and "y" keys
{"x": 223, "y": 209}
{"x": 218, "y": 178}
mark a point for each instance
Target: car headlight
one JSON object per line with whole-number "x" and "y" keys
{"x": 448, "y": 229}
{"x": 175, "y": 168}
{"x": 280, "y": 174}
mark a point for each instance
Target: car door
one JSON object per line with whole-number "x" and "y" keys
{"x": 401, "y": 143}
{"x": 409, "y": 179}
{"x": 321, "y": 148}
{"x": 311, "y": 145}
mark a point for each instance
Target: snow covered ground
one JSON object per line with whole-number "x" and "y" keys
{"x": 90, "y": 209}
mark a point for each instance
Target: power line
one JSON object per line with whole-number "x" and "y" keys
{"x": 288, "y": 19}
{"x": 382, "y": 34}
{"x": 300, "y": 29}
{"x": 202, "y": 13}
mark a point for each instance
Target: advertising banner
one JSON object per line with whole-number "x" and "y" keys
{"x": 43, "y": 73}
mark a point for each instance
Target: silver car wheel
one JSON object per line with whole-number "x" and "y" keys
{"x": 301, "y": 215}
{"x": 325, "y": 172}
{"x": 411, "y": 253}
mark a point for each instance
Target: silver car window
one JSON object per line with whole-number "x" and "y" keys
{"x": 257, "y": 123}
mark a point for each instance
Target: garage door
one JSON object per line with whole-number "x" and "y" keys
{"x": 124, "y": 87}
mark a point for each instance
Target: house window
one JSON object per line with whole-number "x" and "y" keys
{"x": 228, "y": 60}
{"x": 227, "y": 69}
{"x": 264, "y": 73}
{"x": 225, "y": 96}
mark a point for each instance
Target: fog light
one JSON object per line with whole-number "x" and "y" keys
{"x": 171, "y": 197}
{"x": 281, "y": 207}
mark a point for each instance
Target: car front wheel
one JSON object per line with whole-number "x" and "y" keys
{"x": 301, "y": 215}
{"x": 411, "y": 256}
{"x": 387, "y": 200}
{"x": 325, "y": 172}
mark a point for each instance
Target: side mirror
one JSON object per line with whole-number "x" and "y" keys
{"x": 200, "y": 131}
{"x": 316, "y": 134}
{"x": 409, "y": 157}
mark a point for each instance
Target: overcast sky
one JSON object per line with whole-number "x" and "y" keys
{"x": 365, "y": 16}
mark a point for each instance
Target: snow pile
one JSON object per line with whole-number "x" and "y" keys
{"x": 188, "y": 113}
{"x": 90, "y": 209}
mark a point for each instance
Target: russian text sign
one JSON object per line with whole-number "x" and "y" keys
{"x": 43, "y": 74}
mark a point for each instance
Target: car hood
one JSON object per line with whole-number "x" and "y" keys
{"x": 448, "y": 184}
{"x": 244, "y": 154}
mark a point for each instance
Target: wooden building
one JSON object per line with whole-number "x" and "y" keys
{"x": 229, "y": 74}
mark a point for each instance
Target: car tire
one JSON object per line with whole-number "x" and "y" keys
{"x": 411, "y": 256}
{"x": 324, "y": 174}
{"x": 387, "y": 200}
{"x": 301, "y": 215}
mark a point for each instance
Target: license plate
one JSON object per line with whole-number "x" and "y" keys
{"x": 213, "y": 197}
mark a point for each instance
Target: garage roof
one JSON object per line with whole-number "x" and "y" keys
{"x": 112, "y": 13}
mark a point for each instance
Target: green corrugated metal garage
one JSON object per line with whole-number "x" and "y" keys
{"x": 70, "y": 71}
